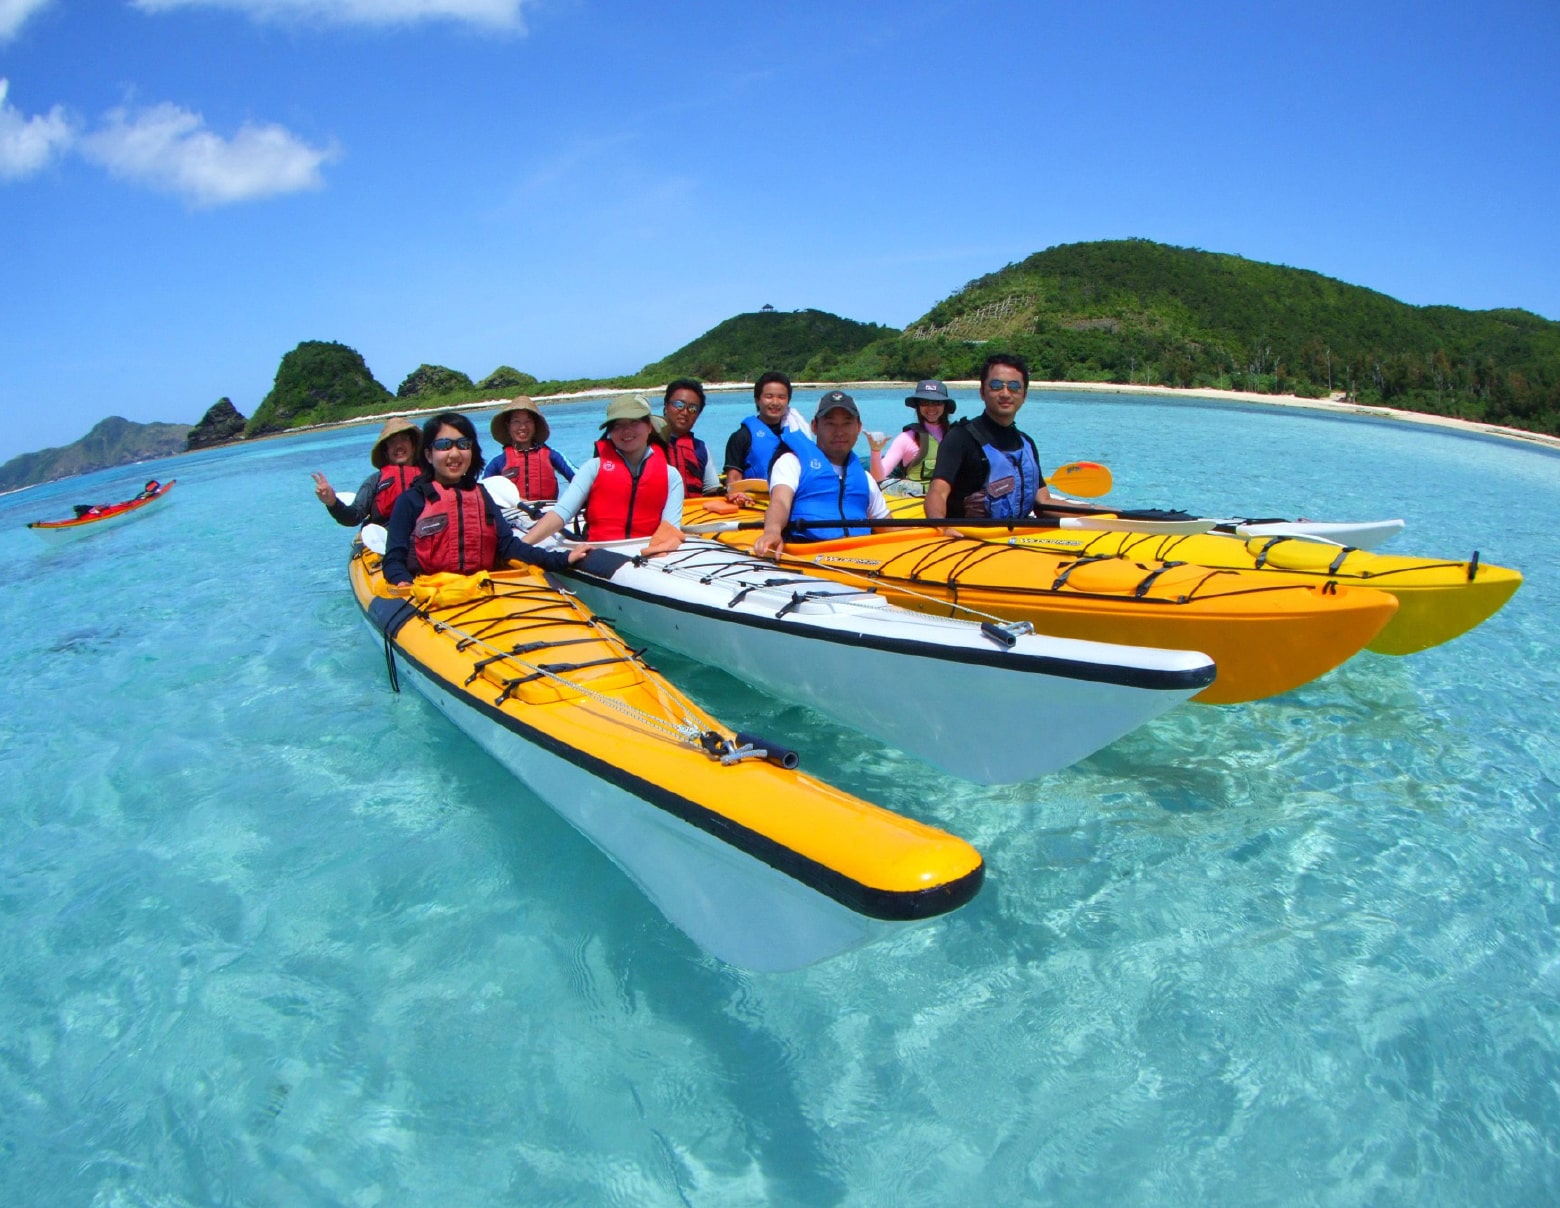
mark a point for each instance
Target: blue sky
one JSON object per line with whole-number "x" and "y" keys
{"x": 188, "y": 188}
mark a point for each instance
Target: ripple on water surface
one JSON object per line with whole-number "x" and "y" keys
{"x": 269, "y": 934}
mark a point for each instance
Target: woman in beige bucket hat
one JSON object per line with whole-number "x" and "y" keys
{"x": 525, "y": 458}
{"x": 394, "y": 458}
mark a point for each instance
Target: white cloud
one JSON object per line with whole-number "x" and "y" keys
{"x": 491, "y": 14}
{"x": 14, "y": 14}
{"x": 169, "y": 148}
{"x": 27, "y": 144}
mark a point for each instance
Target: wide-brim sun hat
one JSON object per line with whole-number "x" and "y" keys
{"x": 499, "y": 425}
{"x": 400, "y": 423}
{"x": 931, "y": 391}
{"x": 634, "y": 407}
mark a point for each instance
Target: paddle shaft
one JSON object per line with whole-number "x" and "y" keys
{"x": 1016, "y": 522}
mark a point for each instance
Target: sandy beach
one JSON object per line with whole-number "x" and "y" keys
{"x": 1335, "y": 404}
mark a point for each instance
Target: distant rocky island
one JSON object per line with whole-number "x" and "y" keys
{"x": 112, "y": 442}
{"x": 1117, "y": 311}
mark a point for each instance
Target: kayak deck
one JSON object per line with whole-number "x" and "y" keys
{"x": 836, "y": 647}
{"x": 760, "y": 864}
{"x": 1438, "y": 598}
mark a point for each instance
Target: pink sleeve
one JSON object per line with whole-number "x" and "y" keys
{"x": 900, "y": 451}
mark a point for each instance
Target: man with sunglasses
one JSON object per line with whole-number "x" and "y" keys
{"x": 681, "y": 406}
{"x": 986, "y": 466}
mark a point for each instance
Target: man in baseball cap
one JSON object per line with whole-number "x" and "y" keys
{"x": 822, "y": 482}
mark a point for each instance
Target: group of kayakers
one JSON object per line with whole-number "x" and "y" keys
{"x": 424, "y": 486}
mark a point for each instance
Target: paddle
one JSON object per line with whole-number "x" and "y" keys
{"x": 1086, "y": 478}
{"x": 1091, "y": 480}
{"x": 1137, "y": 520}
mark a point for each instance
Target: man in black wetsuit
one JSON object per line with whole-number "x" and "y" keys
{"x": 986, "y": 466}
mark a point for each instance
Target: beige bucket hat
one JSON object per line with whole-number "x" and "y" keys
{"x": 634, "y": 407}
{"x": 499, "y": 426}
{"x": 378, "y": 457}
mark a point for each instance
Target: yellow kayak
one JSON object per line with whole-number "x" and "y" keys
{"x": 1438, "y": 598}
{"x": 1266, "y": 635}
{"x": 758, "y": 863}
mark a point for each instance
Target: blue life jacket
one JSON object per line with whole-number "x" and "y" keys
{"x": 762, "y": 451}
{"x": 1011, "y": 481}
{"x": 822, "y": 494}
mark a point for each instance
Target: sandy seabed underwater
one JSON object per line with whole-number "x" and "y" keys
{"x": 270, "y": 934}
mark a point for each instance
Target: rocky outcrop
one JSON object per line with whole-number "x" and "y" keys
{"x": 433, "y": 379}
{"x": 506, "y": 377}
{"x": 221, "y": 425}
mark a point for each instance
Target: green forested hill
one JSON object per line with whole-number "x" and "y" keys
{"x": 1128, "y": 311}
{"x": 802, "y": 343}
{"x": 1135, "y": 311}
{"x": 318, "y": 382}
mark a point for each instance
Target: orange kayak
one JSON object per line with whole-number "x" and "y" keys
{"x": 1266, "y": 634}
{"x": 97, "y": 518}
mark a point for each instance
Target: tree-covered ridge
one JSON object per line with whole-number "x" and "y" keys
{"x": 112, "y": 442}
{"x": 318, "y": 382}
{"x": 1132, "y": 311}
{"x": 802, "y": 343}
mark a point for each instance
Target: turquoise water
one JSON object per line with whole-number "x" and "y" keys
{"x": 271, "y": 935}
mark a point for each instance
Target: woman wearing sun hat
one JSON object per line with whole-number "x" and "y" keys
{"x": 394, "y": 458}
{"x": 913, "y": 454}
{"x": 527, "y": 460}
{"x": 628, "y": 489}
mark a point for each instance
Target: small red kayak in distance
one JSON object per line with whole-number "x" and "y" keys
{"x": 95, "y": 518}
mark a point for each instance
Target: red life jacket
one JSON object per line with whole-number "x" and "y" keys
{"x": 621, "y": 505}
{"x": 392, "y": 481}
{"x": 455, "y": 532}
{"x": 687, "y": 456}
{"x": 531, "y": 470}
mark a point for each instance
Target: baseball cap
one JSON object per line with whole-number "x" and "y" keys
{"x": 836, "y": 400}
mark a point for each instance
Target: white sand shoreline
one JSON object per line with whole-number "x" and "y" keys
{"x": 1336, "y": 405}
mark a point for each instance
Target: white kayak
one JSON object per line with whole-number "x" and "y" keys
{"x": 991, "y": 703}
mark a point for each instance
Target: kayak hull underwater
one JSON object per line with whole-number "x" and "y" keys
{"x": 1265, "y": 637}
{"x": 989, "y": 706}
{"x": 1438, "y": 599}
{"x": 110, "y": 517}
{"x": 758, "y": 864}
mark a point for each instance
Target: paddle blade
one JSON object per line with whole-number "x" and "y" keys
{"x": 1087, "y": 479}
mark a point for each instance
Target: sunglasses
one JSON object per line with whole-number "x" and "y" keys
{"x": 678, "y": 404}
{"x": 451, "y": 442}
{"x": 996, "y": 384}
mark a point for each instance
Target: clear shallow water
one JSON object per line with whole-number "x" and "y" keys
{"x": 269, "y": 935}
